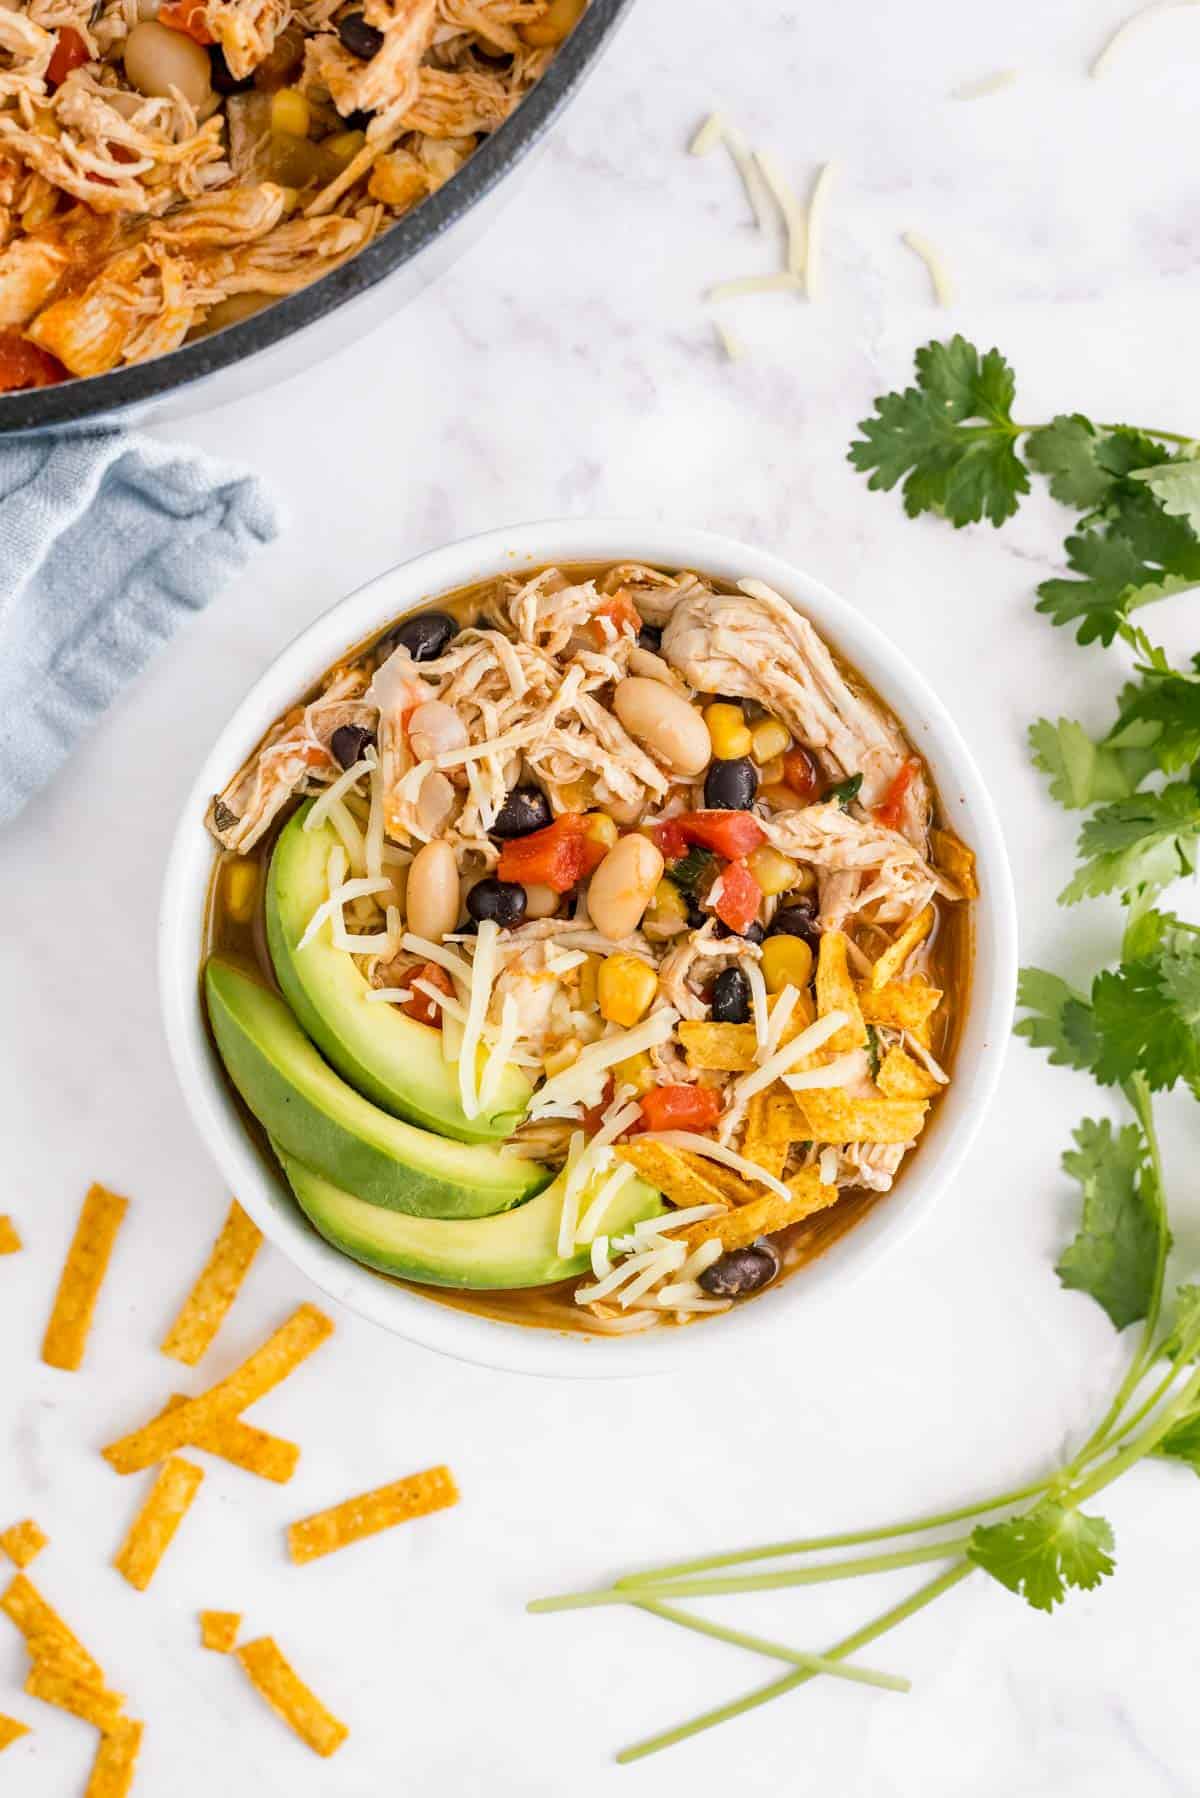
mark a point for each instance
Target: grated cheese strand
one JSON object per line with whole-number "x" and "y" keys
{"x": 497, "y": 1061}
{"x": 329, "y": 798}
{"x": 716, "y": 1151}
{"x": 483, "y": 973}
{"x": 1135, "y": 23}
{"x": 791, "y": 211}
{"x": 745, "y": 284}
{"x": 708, "y": 136}
{"x": 817, "y": 208}
{"x": 838, "y": 1072}
{"x": 747, "y": 168}
{"x": 939, "y": 275}
{"x": 758, "y": 1006}
{"x": 593, "y": 1216}
{"x": 781, "y": 1017}
{"x": 988, "y": 84}
{"x": 574, "y": 1082}
{"x": 445, "y": 958}
{"x": 807, "y": 1043}
{"x": 827, "y": 1166}
{"x": 732, "y": 345}
{"x": 570, "y": 1206}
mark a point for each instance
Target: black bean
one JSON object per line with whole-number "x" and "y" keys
{"x": 358, "y": 120}
{"x": 697, "y": 917}
{"x": 502, "y": 900}
{"x": 222, "y": 76}
{"x": 650, "y": 637}
{"x": 526, "y": 809}
{"x": 425, "y": 636}
{"x": 753, "y": 933}
{"x": 362, "y": 40}
{"x": 731, "y": 786}
{"x": 348, "y": 742}
{"x": 731, "y": 997}
{"x": 799, "y": 920}
{"x": 741, "y": 1271}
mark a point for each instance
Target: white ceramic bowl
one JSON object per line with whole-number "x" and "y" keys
{"x": 470, "y": 1337}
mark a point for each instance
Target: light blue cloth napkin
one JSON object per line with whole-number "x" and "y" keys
{"x": 107, "y": 541}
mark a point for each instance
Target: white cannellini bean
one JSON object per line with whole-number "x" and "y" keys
{"x": 432, "y": 898}
{"x": 663, "y": 722}
{"x": 436, "y": 803}
{"x": 158, "y": 59}
{"x": 623, "y": 886}
{"x": 541, "y": 902}
{"x": 435, "y": 728}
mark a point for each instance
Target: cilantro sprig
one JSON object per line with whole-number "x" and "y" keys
{"x": 1134, "y": 1029}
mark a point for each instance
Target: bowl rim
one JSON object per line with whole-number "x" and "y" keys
{"x": 94, "y": 399}
{"x": 465, "y": 1335}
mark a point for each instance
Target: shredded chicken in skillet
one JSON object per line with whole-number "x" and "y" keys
{"x": 775, "y": 979}
{"x": 167, "y": 167}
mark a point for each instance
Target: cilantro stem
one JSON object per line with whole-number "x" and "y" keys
{"x": 1149, "y": 1404}
{"x": 1146, "y": 431}
{"x": 801, "y": 1545}
{"x": 859, "y": 1638}
{"x": 813, "y": 1663}
{"x": 1139, "y": 1446}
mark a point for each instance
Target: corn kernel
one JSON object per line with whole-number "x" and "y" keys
{"x": 668, "y": 905}
{"x": 636, "y": 1071}
{"x": 560, "y": 17}
{"x": 599, "y": 828}
{"x": 626, "y": 987}
{"x": 290, "y": 112}
{"x": 728, "y": 731}
{"x": 771, "y": 773}
{"x": 560, "y": 1059}
{"x": 345, "y": 145}
{"x": 773, "y": 872}
{"x": 786, "y": 961}
{"x": 779, "y": 797}
{"x": 587, "y": 981}
{"x": 768, "y": 738}
{"x": 241, "y": 889}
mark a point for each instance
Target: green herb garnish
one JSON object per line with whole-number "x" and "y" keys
{"x": 1135, "y": 1029}
{"x": 845, "y": 790}
{"x": 873, "y": 1051}
{"x": 695, "y": 872}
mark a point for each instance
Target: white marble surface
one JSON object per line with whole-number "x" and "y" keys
{"x": 567, "y": 365}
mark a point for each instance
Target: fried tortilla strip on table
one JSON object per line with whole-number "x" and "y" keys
{"x": 951, "y": 856}
{"x": 94, "y": 1704}
{"x": 737, "y": 1229}
{"x": 904, "y": 1004}
{"x": 900, "y": 1077}
{"x": 292, "y": 1343}
{"x": 832, "y": 1117}
{"x": 82, "y": 1276}
{"x": 287, "y": 1694}
{"x": 242, "y": 1444}
{"x": 357, "y": 1518}
{"x": 893, "y": 958}
{"x": 10, "y": 1240}
{"x": 153, "y": 1529}
{"x": 23, "y": 1542}
{"x": 11, "y": 1731}
{"x": 208, "y": 1303}
{"x": 668, "y": 1169}
{"x": 219, "y": 1630}
{"x": 116, "y": 1761}
{"x": 40, "y": 1624}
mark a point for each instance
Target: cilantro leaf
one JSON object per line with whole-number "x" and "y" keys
{"x": 846, "y": 790}
{"x": 1114, "y": 1257}
{"x": 1160, "y": 717}
{"x": 1176, "y": 486}
{"x": 1147, "y": 1017}
{"x": 1083, "y": 772}
{"x": 1183, "y": 1443}
{"x": 1116, "y": 581}
{"x": 1065, "y": 452}
{"x": 924, "y": 437}
{"x": 1059, "y": 1019}
{"x": 695, "y": 872}
{"x": 1044, "y": 1552}
{"x": 1138, "y": 845}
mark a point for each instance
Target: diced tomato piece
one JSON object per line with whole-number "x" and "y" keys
{"x": 23, "y": 364}
{"x": 621, "y": 613}
{"x": 740, "y": 898}
{"x": 558, "y": 857}
{"x": 70, "y": 52}
{"x": 728, "y": 833}
{"x": 421, "y": 1007}
{"x": 681, "y": 1108}
{"x": 892, "y": 809}
{"x": 589, "y": 1123}
{"x": 188, "y": 16}
{"x": 801, "y": 773}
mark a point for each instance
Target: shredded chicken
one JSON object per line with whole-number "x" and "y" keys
{"x": 858, "y": 863}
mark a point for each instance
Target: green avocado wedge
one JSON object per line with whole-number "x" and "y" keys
{"x": 313, "y": 1114}
{"x": 386, "y": 1056}
{"x": 482, "y": 1254}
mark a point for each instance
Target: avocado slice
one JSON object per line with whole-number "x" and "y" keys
{"x": 481, "y": 1254}
{"x": 312, "y": 1113}
{"x": 388, "y": 1057}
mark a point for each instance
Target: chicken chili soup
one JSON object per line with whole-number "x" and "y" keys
{"x": 589, "y": 947}
{"x": 170, "y": 166}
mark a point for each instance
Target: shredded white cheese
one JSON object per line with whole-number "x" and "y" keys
{"x": 838, "y": 1072}
{"x": 569, "y": 1215}
{"x": 452, "y": 1038}
{"x": 673, "y": 1220}
{"x": 1132, "y": 25}
{"x": 716, "y": 1151}
{"x": 732, "y": 290}
{"x": 827, "y": 1162}
{"x": 592, "y": 1218}
{"x": 747, "y": 168}
{"x": 987, "y": 84}
{"x": 497, "y": 1061}
{"x": 483, "y": 974}
{"x": 580, "y": 1079}
{"x": 341, "y": 891}
{"x": 780, "y": 1018}
{"x": 817, "y": 207}
{"x": 321, "y": 806}
{"x": 710, "y": 134}
{"x": 445, "y": 958}
{"x": 351, "y": 837}
{"x": 734, "y": 349}
{"x": 792, "y": 212}
{"x": 939, "y": 275}
{"x": 601, "y": 1261}
{"x": 786, "y": 1058}
{"x": 758, "y": 1006}
{"x": 702, "y": 1258}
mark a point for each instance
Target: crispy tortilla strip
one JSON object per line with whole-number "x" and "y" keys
{"x": 243, "y": 1445}
{"x": 668, "y": 1169}
{"x": 23, "y": 1542}
{"x": 116, "y": 1762}
{"x": 734, "y": 1190}
{"x": 292, "y": 1343}
{"x": 905, "y": 1004}
{"x": 738, "y": 1229}
{"x": 766, "y": 1141}
{"x": 287, "y": 1694}
{"x": 95, "y": 1704}
{"x": 219, "y": 1630}
{"x": 719, "y": 1048}
{"x": 831, "y": 1117}
{"x": 153, "y": 1529}
{"x": 66, "y": 1658}
{"x": 10, "y": 1241}
{"x": 951, "y": 856}
{"x": 40, "y": 1624}
{"x": 82, "y": 1276}
{"x": 207, "y": 1304}
{"x": 892, "y": 961}
{"x": 356, "y": 1518}
{"x": 900, "y": 1077}
{"x": 11, "y": 1731}
{"x": 837, "y": 992}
